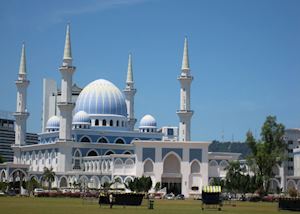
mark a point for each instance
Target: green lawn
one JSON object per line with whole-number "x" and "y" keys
{"x": 17, "y": 205}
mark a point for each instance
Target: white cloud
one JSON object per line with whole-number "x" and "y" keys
{"x": 95, "y": 6}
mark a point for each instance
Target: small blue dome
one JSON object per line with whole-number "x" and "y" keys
{"x": 53, "y": 122}
{"x": 81, "y": 117}
{"x": 148, "y": 121}
{"x": 101, "y": 97}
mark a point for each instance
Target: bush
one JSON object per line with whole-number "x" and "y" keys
{"x": 293, "y": 192}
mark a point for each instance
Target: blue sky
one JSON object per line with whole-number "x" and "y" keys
{"x": 244, "y": 56}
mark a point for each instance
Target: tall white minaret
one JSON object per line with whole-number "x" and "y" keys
{"x": 66, "y": 105}
{"x": 185, "y": 113}
{"x": 129, "y": 93}
{"x": 21, "y": 113}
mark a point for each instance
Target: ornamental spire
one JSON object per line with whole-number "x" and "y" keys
{"x": 185, "y": 60}
{"x": 67, "y": 60}
{"x": 129, "y": 70}
{"x": 22, "y": 68}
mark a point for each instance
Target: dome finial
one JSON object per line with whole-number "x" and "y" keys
{"x": 185, "y": 60}
{"x": 22, "y": 68}
{"x": 67, "y": 59}
{"x": 129, "y": 70}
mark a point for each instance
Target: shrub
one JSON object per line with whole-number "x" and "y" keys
{"x": 293, "y": 192}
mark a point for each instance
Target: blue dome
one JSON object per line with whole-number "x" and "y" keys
{"x": 148, "y": 121}
{"x": 53, "y": 122}
{"x": 81, "y": 117}
{"x": 101, "y": 97}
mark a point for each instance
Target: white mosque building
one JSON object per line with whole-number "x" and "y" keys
{"x": 89, "y": 135}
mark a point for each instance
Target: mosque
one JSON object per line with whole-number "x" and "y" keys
{"x": 89, "y": 135}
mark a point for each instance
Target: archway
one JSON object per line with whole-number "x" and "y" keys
{"x": 274, "y": 186}
{"x": 213, "y": 170}
{"x": 195, "y": 167}
{"x": 148, "y": 166}
{"x": 120, "y": 141}
{"x": 291, "y": 184}
{"x": 92, "y": 153}
{"x": 85, "y": 140}
{"x": 18, "y": 179}
{"x": 102, "y": 140}
{"x": 94, "y": 182}
{"x": 63, "y": 182}
{"x": 2, "y": 176}
{"x": 171, "y": 177}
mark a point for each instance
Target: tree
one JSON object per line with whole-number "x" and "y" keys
{"x": 32, "y": 184}
{"x": 142, "y": 184}
{"x": 266, "y": 152}
{"x": 234, "y": 176}
{"x": 218, "y": 182}
{"x": 49, "y": 176}
{"x": 157, "y": 186}
{"x": 2, "y": 160}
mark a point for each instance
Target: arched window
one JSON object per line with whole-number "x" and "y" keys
{"x": 120, "y": 141}
{"x": 148, "y": 166}
{"x": 109, "y": 153}
{"x": 85, "y": 139}
{"x": 104, "y": 123}
{"x": 111, "y": 123}
{"x": 102, "y": 140}
{"x": 195, "y": 167}
{"x": 127, "y": 153}
{"x": 77, "y": 160}
{"x": 117, "y": 123}
{"x": 96, "y": 122}
{"x": 92, "y": 153}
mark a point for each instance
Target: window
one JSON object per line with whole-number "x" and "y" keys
{"x": 170, "y": 132}
{"x": 111, "y": 123}
{"x": 92, "y": 153}
{"x": 117, "y": 123}
{"x": 85, "y": 139}
{"x": 120, "y": 141}
{"x": 290, "y": 142}
{"x": 195, "y": 188}
{"x": 122, "y": 123}
{"x": 104, "y": 123}
{"x": 96, "y": 122}
{"x": 102, "y": 140}
{"x": 109, "y": 153}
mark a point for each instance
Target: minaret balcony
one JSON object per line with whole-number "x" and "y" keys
{"x": 185, "y": 113}
{"x": 185, "y": 78}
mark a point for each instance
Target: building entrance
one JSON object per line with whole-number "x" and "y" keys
{"x": 173, "y": 185}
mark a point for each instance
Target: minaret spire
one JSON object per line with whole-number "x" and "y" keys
{"x": 185, "y": 113}
{"x": 66, "y": 105}
{"x": 185, "y": 59}
{"x": 21, "y": 113}
{"x": 129, "y": 93}
{"x": 129, "y": 70}
{"x": 67, "y": 59}
{"x": 22, "y": 68}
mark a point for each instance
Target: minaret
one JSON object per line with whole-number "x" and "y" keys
{"x": 66, "y": 105}
{"x": 185, "y": 113}
{"x": 129, "y": 93}
{"x": 21, "y": 113}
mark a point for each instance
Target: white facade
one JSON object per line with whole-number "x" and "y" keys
{"x": 96, "y": 141}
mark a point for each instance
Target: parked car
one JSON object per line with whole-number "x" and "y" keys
{"x": 11, "y": 192}
{"x": 2, "y": 193}
{"x": 169, "y": 196}
{"x": 36, "y": 191}
{"x": 179, "y": 197}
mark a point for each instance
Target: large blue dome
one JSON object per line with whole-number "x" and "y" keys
{"x": 101, "y": 97}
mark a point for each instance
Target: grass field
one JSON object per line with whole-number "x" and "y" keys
{"x": 17, "y": 205}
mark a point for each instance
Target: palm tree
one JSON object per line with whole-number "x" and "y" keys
{"x": 49, "y": 176}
